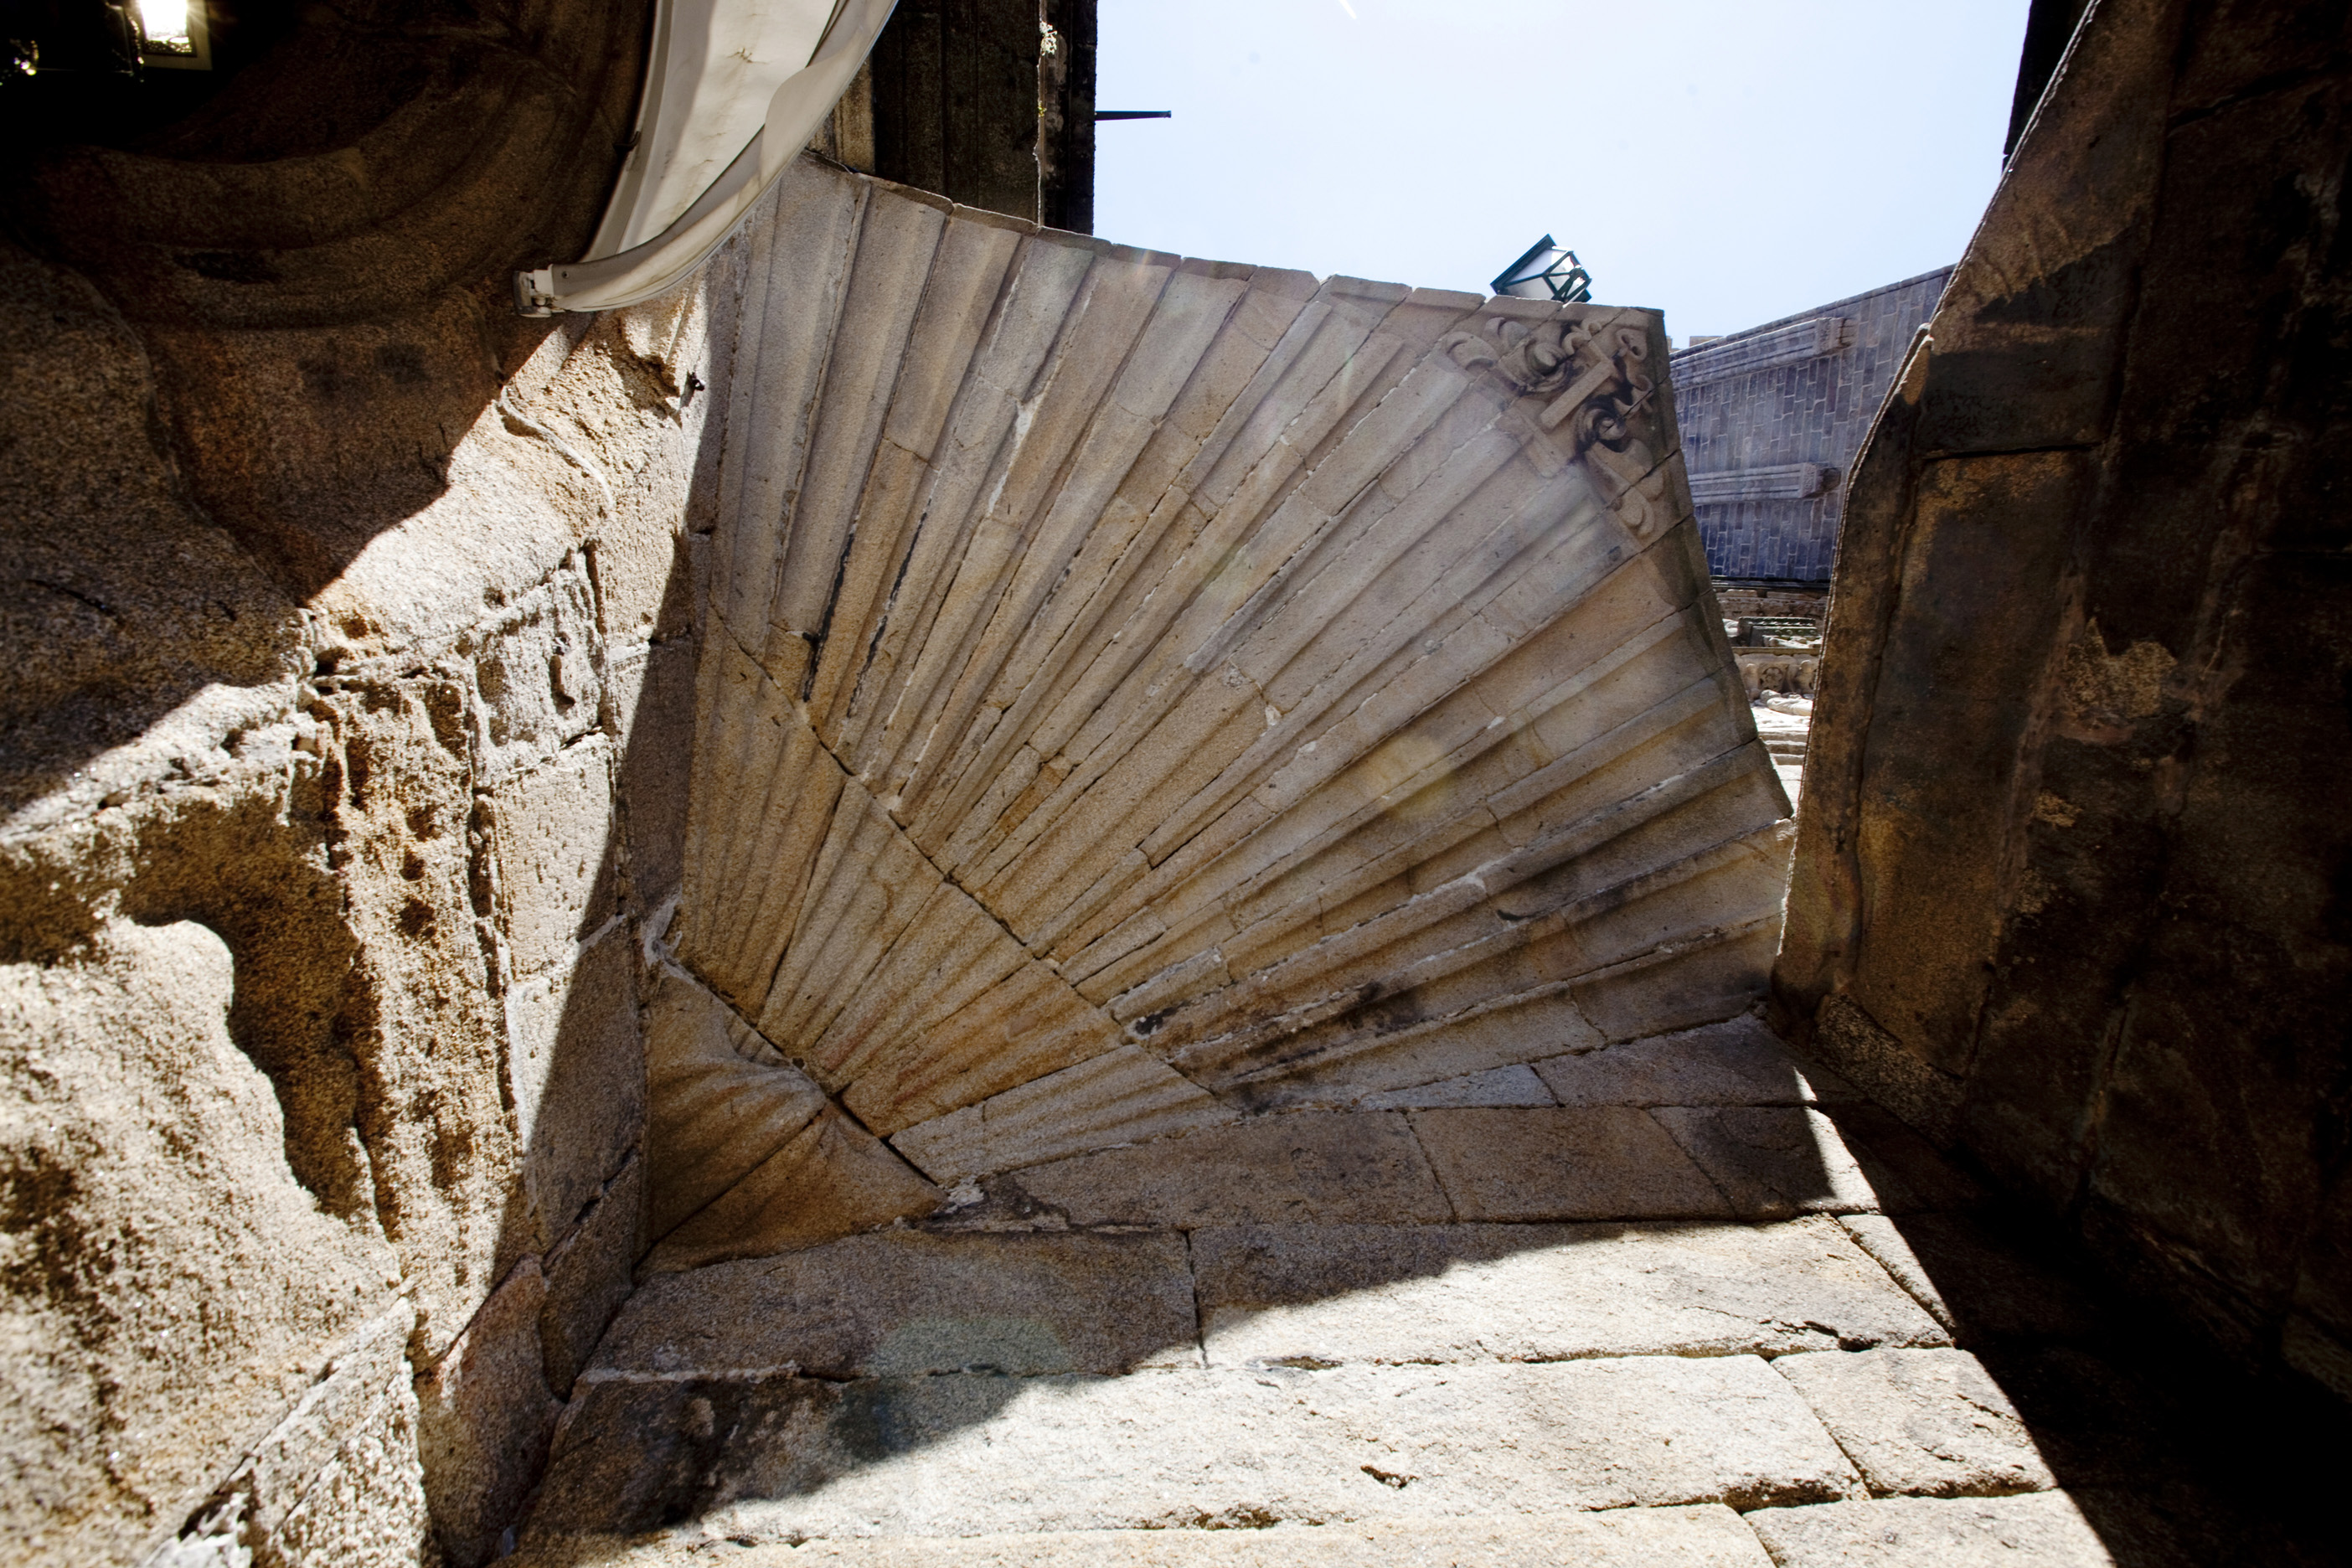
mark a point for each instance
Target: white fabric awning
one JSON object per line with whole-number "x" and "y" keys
{"x": 733, "y": 91}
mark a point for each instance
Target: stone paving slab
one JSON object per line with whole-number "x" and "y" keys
{"x": 1309, "y": 1167}
{"x": 1706, "y": 1536}
{"x": 1772, "y": 1162}
{"x": 1582, "y": 1163}
{"x": 1882, "y": 1239}
{"x": 1928, "y": 1422}
{"x": 1307, "y": 1295}
{"x": 2036, "y": 1529}
{"x": 1972, "y": 1284}
{"x": 1904, "y": 1168}
{"x": 787, "y": 1457}
{"x": 2095, "y": 1424}
{"x": 1737, "y": 1062}
{"x": 2218, "y": 1522}
{"x": 904, "y": 1303}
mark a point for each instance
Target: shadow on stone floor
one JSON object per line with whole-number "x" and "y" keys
{"x": 777, "y": 1378}
{"x": 2174, "y": 1456}
{"x": 765, "y": 1395}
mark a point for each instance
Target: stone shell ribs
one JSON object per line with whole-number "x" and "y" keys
{"x": 1224, "y": 690}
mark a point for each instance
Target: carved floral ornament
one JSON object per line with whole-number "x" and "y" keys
{"x": 1586, "y": 367}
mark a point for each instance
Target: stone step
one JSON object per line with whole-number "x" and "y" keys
{"x": 1206, "y": 1349}
{"x": 1490, "y": 1163}
{"x": 1706, "y": 1536}
{"x": 1737, "y": 1062}
{"x": 2038, "y": 1529}
{"x": 908, "y": 1302}
{"x": 1332, "y": 1295}
{"x": 918, "y": 1385}
{"x": 1172, "y": 1380}
{"x": 785, "y": 1458}
{"x": 2042, "y": 1529}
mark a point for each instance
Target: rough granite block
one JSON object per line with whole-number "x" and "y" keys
{"x": 576, "y": 1077}
{"x": 902, "y": 1303}
{"x": 365, "y": 1504}
{"x": 485, "y": 1417}
{"x": 348, "y": 1430}
{"x": 653, "y": 697}
{"x": 1929, "y": 1422}
{"x": 1737, "y": 1062}
{"x": 1586, "y": 1162}
{"x": 962, "y": 1454}
{"x": 1772, "y": 1162}
{"x": 1705, "y": 1535}
{"x": 2039, "y": 1529}
{"x": 1980, "y": 1289}
{"x": 589, "y": 1275}
{"x": 1309, "y": 1167}
{"x": 552, "y": 833}
{"x": 1324, "y": 1295}
{"x": 1902, "y": 1167}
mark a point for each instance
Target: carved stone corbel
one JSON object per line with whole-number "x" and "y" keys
{"x": 1579, "y": 376}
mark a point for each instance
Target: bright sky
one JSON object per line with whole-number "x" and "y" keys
{"x": 1730, "y": 161}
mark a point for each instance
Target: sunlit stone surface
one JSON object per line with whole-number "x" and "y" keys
{"x": 1188, "y": 688}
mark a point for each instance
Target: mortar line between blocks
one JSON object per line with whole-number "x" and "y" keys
{"x": 1199, "y": 1318}
{"x": 1731, "y": 1204}
{"x": 1894, "y": 1278}
{"x": 1861, "y": 1479}
{"x": 1436, "y": 1176}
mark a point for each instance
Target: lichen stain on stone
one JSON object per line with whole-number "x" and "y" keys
{"x": 2107, "y": 691}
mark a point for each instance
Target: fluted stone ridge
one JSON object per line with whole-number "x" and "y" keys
{"x": 1140, "y": 691}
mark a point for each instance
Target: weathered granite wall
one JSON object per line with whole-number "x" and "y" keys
{"x": 343, "y": 612}
{"x": 957, "y": 104}
{"x": 1771, "y": 420}
{"x": 1065, "y": 118}
{"x": 2071, "y": 885}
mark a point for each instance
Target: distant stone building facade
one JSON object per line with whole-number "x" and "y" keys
{"x": 1772, "y": 419}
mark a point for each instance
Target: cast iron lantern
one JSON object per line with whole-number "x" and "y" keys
{"x": 1545, "y": 272}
